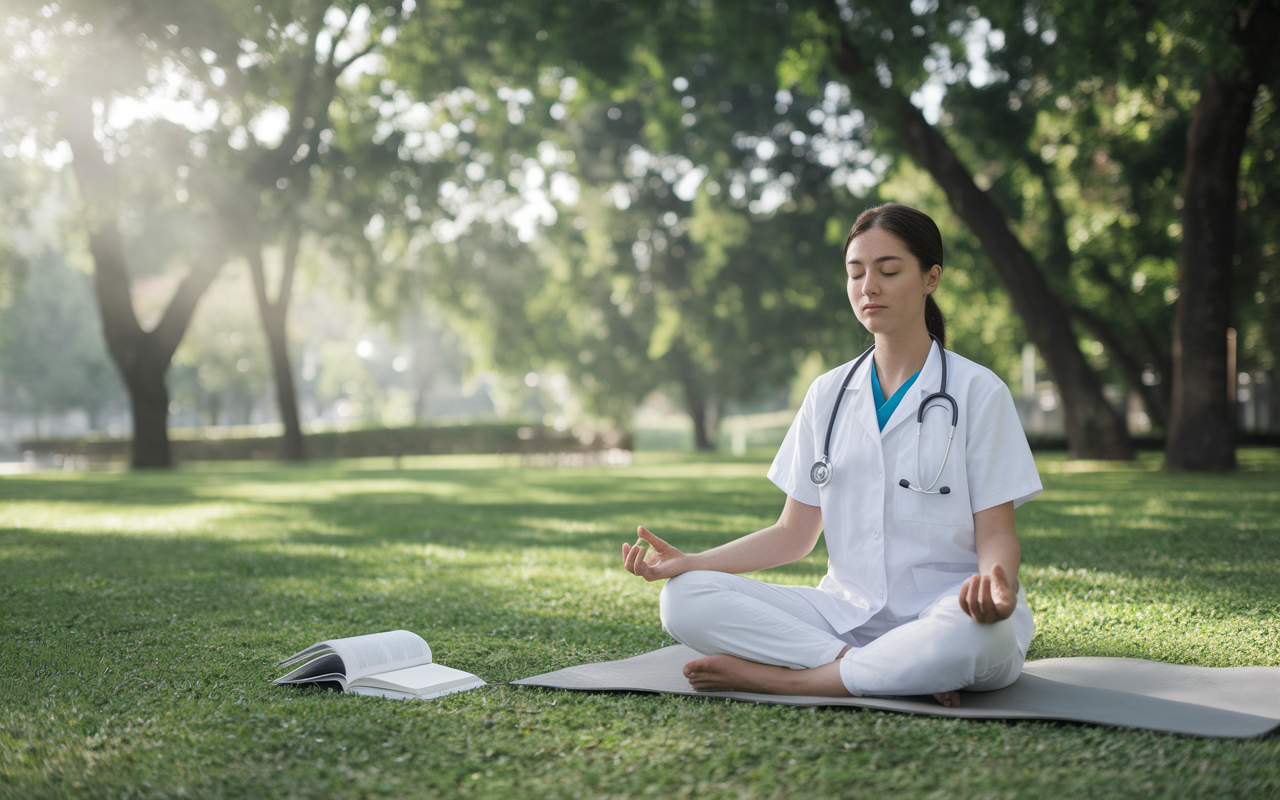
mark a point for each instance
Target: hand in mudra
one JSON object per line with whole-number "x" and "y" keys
{"x": 988, "y": 598}
{"x": 660, "y": 560}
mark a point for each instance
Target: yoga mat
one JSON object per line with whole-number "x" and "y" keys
{"x": 1234, "y": 702}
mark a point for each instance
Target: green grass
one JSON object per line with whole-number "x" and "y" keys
{"x": 141, "y": 616}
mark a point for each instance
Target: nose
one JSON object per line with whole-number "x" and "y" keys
{"x": 870, "y": 286}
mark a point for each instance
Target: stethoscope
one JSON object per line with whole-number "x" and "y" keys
{"x": 820, "y": 473}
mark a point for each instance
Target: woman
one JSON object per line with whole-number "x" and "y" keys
{"x": 921, "y": 594}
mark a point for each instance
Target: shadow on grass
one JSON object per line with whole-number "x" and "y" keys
{"x": 140, "y": 603}
{"x": 1172, "y": 527}
{"x": 315, "y": 538}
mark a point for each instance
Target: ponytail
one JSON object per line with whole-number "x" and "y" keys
{"x": 934, "y": 321}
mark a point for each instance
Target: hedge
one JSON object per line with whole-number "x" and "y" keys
{"x": 482, "y": 437}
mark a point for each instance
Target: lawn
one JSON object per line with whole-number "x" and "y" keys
{"x": 141, "y": 616}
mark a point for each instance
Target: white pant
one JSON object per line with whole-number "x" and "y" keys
{"x": 941, "y": 650}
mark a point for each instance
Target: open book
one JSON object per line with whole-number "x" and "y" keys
{"x": 388, "y": 664}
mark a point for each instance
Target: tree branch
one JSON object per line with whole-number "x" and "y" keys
{"x": 1155, "y": 352}
{"x": 369, "y": 48}
{"x": 1155, "y": 398}
{"x": 99, "y": 194}
{"x": 1059, "y": 250}
{"x": 1094, "y": 429}
{"x": 258, "y": 273}
{"x": 177, "y": 315}
{"x": 292, "y": 245}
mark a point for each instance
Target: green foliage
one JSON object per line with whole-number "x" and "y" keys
{"x": 53, "y": 321}
{"x": 695, "y": 257}
{"x": 980, "y": 323}
{"x": 701, "y": 254}
{"x": 1081, "y": 132}
{"x": 144, "y": 614}
{"x": 165, "y": 181}
{"x": 1077, "y": 134}
{"x": 1258, "y": 286}
{"x": 221, "y": 367}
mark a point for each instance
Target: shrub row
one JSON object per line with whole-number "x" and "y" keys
{"x": 483, "y": 437}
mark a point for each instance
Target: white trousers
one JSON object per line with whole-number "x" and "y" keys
{"x": 941, "y": 650}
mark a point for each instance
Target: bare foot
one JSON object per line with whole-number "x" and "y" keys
{"x": 722, "y": 673}
{"x": 948, "y": 699}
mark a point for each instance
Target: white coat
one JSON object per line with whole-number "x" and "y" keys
{"x": 893, "y": 551}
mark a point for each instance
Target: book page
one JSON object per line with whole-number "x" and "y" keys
{"x": 373, "y": 691}
{"x": 380, "y": 652}
{"x": 327, "y": 667}
{"x": 418, "y": 681}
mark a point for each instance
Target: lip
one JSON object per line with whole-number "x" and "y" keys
{"x": 871, "y": 308}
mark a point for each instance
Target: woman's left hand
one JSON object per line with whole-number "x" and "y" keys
{"x": 988, "y": 598}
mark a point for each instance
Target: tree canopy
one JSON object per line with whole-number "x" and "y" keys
{"x": 652, "y": 194}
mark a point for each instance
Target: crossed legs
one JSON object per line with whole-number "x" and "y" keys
{"x": 766, "y": 638}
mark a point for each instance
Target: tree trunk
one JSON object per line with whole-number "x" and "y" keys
{"x": 275, "y": 324}
{"x": 1154, "y": 398}
{"x": 1130, "y": 352}
{"x": 1094, "y": 429}
{"x": 696, "y": 402}
{"x": 213, "y": 407}
{"x": 149, "y": 402}
{"x": 1202, "y": 427}
{"x": 286, "y": 396}
{"x": 94, "y": 412}
{"x": 422, "y": 384}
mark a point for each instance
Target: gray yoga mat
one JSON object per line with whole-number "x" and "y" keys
{"x": 1234, "y": 702}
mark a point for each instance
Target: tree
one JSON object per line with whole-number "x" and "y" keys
{"x": 142, "y": 356}
{"x": 881, "y": 52}
{"x": 249, "y": 87}
{"x": 290, "y": 61}
{"x": 1202, "y": 427}
{"x": 1133, "y": 86}
{"x": 647, "y": 280}
{"x": 128, "y": 178}
{"x": 219, "y": 367}
{"x": 53, "y": 321}
{"x": 860, "y": 46}
{"x": 702, "y": 254}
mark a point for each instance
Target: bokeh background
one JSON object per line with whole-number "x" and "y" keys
{"x": 266, "y": 218}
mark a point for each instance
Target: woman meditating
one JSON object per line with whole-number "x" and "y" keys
{"x": 912, "y": 460}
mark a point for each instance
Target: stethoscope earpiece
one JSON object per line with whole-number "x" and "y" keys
{"x": 906, "y": 484}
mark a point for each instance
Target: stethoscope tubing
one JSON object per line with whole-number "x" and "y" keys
{"x": 820, "y": 473}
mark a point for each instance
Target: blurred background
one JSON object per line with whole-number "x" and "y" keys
{"x": 620, "y": 223}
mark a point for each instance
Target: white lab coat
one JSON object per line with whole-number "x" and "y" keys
{"x": 892, "y": 551}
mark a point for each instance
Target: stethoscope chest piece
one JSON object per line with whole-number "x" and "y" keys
{"x": 820, "y": 472}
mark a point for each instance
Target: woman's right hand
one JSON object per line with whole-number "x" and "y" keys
{"x": 663, "y": 562}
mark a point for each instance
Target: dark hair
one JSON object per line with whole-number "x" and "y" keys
{"x": 920, "y": 234}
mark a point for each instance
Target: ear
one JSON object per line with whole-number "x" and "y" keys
{"x": 931, "y": 278}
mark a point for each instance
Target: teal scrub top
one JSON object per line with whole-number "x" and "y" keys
{"x": 885, "y": 408}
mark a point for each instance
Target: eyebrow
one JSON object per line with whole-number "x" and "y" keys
{"x": 879, "y": 260}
